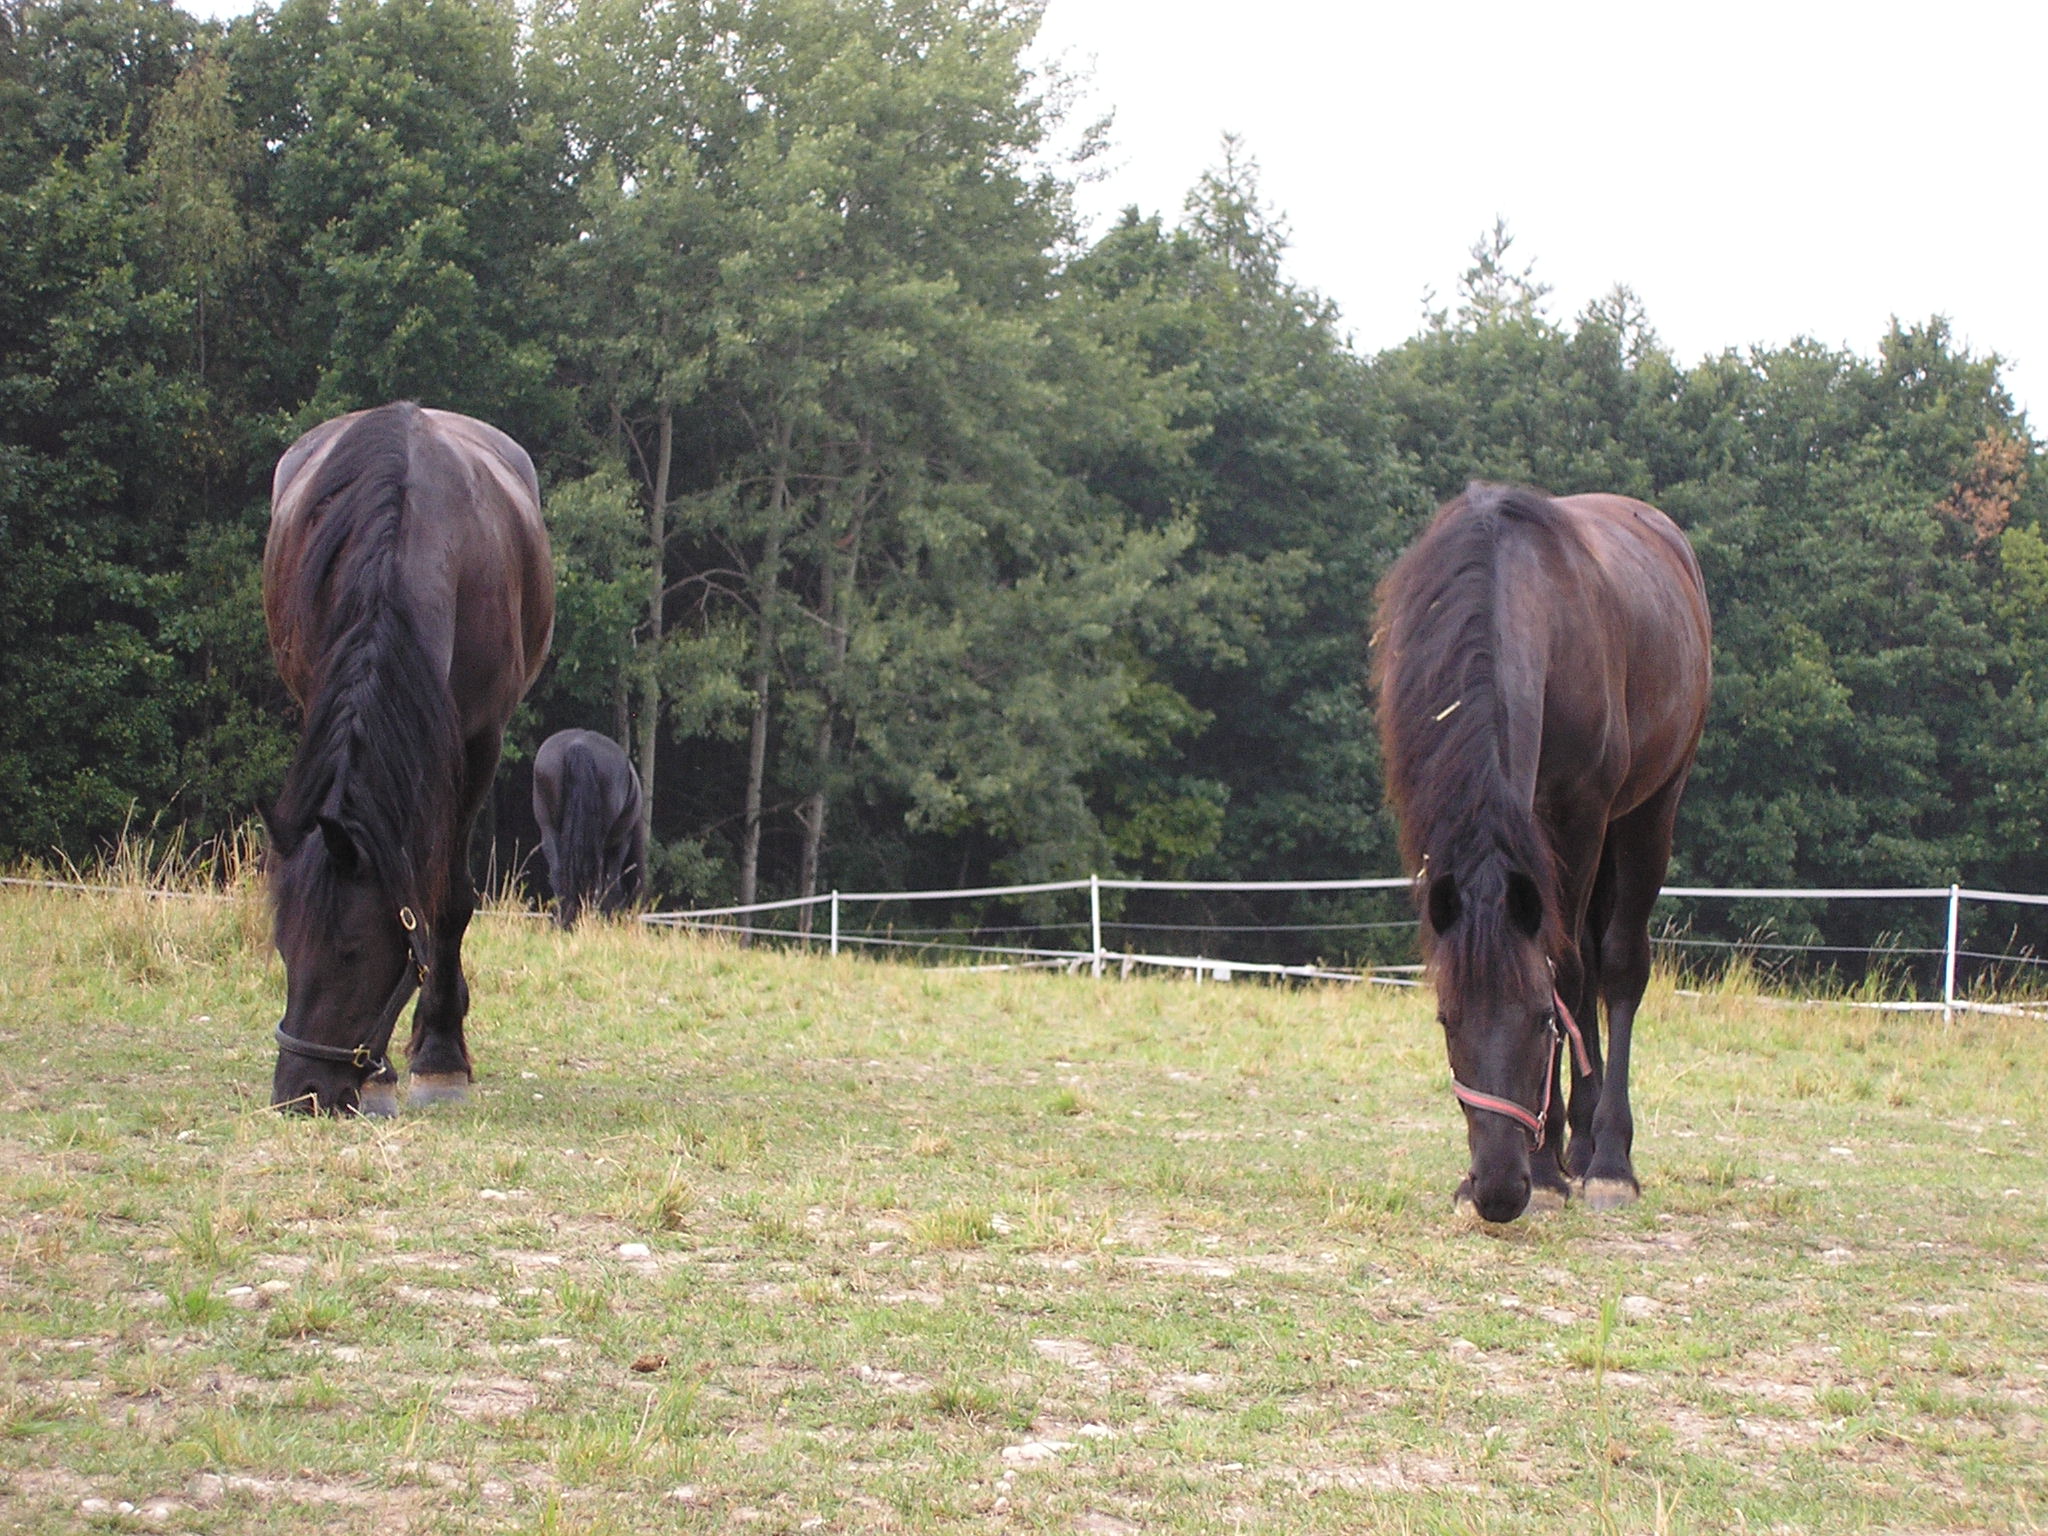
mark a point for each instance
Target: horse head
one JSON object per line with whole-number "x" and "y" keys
{"x": 352, "y": 954}
{"x": 1497, "y": 1006}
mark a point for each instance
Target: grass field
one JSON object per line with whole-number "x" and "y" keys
{"x": 730, "y": 1241}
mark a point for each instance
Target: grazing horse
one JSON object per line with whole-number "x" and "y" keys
{"x": 1543, "y": 669}
{"x": 586, "y": 797}
{"x": 409, "y": 596}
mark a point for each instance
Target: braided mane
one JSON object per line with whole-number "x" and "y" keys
{"x": 381, "y": 752}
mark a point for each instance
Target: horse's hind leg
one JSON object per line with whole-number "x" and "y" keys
{"x": 1642, "y": 851}
{"x": 438, "y": 1058}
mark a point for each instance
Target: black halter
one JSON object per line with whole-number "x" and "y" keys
{"x": 369, "y": 1057}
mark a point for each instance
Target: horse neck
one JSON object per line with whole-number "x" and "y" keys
{"x": 1461, "y": 731}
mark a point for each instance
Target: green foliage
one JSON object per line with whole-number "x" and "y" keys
{"x": 96, "y": 492}
{"x": 907, "y": 538}
{"x": 422, "y": 186}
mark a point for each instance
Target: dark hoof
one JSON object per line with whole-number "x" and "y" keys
{"x": 437, "y": 1088}
{"x": 377, "y": 1101}
{"x": 1612, "y": 1194}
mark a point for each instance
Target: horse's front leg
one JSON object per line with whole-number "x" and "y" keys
{"x": 1549, "y": 1189}
{"x": 1578, "y": 988}
{"x": 1579, "y": 837}
{"x": 438, "y": 1059}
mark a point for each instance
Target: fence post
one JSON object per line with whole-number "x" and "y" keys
{"x": 835, "y": 922}
{"x": 1095, "y": 919}
{"x": 1948, "y": 968}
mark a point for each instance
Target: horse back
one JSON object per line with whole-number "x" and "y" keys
{"x": 474, "y": 566}
{"x": 597, "y": 767}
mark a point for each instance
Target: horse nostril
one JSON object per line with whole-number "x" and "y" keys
{"x": 304, "y": 1102}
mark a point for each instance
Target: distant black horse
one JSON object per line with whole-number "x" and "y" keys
{"x": 1543, "y": 670}
{"x": 586, "y": 797}
{"x": 409, "y": 596}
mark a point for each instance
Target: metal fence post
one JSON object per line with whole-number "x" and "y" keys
{"x": 835, "y": 922}
{"x": 1095, "y": 919}
{"x": 1948, "y": 969}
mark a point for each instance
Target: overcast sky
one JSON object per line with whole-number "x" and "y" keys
{"x": 1754, "y": 171}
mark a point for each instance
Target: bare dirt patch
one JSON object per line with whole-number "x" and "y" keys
{"x": 492, "y": 1400}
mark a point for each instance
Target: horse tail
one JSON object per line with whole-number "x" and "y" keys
{"x": 579, "y": 836}
{"x": 381, "y": 751}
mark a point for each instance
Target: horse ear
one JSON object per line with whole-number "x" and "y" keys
{"x": 1444, "y": 903}
{"x": 1525, "y": 905}
{"x": 341, "y": 848}
{"x": 283, "y": 842}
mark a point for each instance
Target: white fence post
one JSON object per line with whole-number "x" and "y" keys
{"x": 1948, "y": 969}
{"x": 835, "y": 922}
{"x": 1095, "y": 919}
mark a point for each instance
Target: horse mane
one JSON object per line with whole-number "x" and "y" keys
{"x": 1444, "y": 724}
{"x": 381, "y": 751}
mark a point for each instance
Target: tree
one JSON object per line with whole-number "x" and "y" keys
{"x": 95, "y": 496}
{"x": 844, "y": 307}
{"x": 422, "y": 187}
{"x": 1296, "y": 496}
{"x": 200, "y": 160}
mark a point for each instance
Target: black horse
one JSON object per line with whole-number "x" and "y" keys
{"x": 586, "y": 797}
{"x": 409, "y": 596}
{"x": 1543, "y": 670}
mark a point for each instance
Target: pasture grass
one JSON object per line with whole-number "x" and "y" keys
{"x": 739, "y": 1241}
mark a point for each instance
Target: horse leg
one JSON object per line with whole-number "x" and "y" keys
{"x": 551, "y": 856}
{"x": 438, "y": 1057}
{"x": 1584, "y": 1001}
{"x": 1642, "y": 844}
{"x": 1577, "y": 839}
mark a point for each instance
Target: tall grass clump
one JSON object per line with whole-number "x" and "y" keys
{"x": 152, "y": 906}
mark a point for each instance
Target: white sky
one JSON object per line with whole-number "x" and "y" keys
{"x": 1754, "y": 171}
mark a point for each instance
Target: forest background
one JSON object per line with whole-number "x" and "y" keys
{"x": 906, "y": 537}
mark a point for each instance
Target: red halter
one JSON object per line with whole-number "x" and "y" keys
{"x": 1534, "y": 1124}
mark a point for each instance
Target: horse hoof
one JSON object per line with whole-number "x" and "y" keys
{"x": 1611, "y": 1194}
{"x": 1543, "y": 1200}
{"x": 377, "y": 1101}
{"x": 438, "y": 1088}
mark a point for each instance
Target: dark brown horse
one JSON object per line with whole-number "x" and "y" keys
{"x": 410, "y": 598}
{"x": 586, "y": 799}
{"x": 1543, "y": 669}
